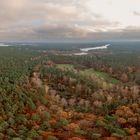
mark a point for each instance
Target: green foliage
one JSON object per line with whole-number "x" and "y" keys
{"x": 3, "y": 125}
{"x": 43, "y": 100}
{"x": 119, "y": 131}
{"x": 100, "y": 123}
{"x": 22, "y": 130}
{"x": 11, "y": 121}
{"x": 115, "y": 129}
{"x": 61, "y": 123}
{"x": 95, "y": 136}
{"x": 112, "y": 106}
{"x": 112, "y": 118}
{"x": 35, "y": 117}
{"x": 52, "y": 138}
{"x": 41, "y": 92}
{"x": 16, "y": 138}
{"x": 117, "y": 135}
{"x": 11, "y": 132}
{"x": 31, "y": 104}
{"x": 45, "y": 125}
{"x": 80, "y": 132}
{"x": 21, "y": 118}
{"x": 46, "y": 115}
{"x": 83, "y": 109}
{"x": 32, "y": 134}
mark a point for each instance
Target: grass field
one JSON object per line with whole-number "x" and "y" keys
{"x": 101, "y": 75}
{"x": 65, "y": 66}
{"x": 90, "y": 72}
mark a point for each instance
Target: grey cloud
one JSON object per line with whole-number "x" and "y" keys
{"x": 136, "y": 13}
{"x": 131, "y": 33}
{"x": 53, "y": 19}
{"x": 64, "y": 32}
{"x": 55, "y": 32}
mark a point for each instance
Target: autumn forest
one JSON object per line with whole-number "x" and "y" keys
{"x": 49, "y": 93}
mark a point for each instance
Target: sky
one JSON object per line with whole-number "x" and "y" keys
{"x": 69, "y": 20}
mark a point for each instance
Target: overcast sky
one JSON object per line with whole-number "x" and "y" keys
{"x": 52, "y": 20}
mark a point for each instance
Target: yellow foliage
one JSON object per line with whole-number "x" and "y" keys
{"x": 63, "y": 114}
{"x": 119, "y": 112}
{"x": 105, "y": 86}
{"x": 76, "y": 138}
{"x": 129, "y": 113}
{"x": 72, "y": 127}
{"x": 132, "y": 131}
{"x": 53, "y": 122}
{"x": 135, "y": 106}
{"x": 90, "y": 117}
{"x": 1, "y": 118}
{"x": 133, "y": 120}
{"x": 121, "y": 121}
{"x": 138, "y": 133}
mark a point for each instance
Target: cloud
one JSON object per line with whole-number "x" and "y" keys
{"x": 66, "y": 19}
{"x": 129, "y": 33}
{"x": 136, "y": 13}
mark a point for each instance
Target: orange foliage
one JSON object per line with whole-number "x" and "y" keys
{"x": 124, "y": 111}
{"x": 132, "y": 131}
{"x": 76, "y": 138}
{"x": 134, "y": 137}
{"x": 41, "y": 108}
{"x": 36, "y": 126}
{"x": 1, "y": 118}
{"x": 63, "y": 114}
{"x": 121, "y": 121}
{"x": 45, "y": 135}
{"x": 18, "y": 88}
{"x": 90, "y": 117}
{"x": 28, "y": 111}
{"x": 119, "y": 112}
{"x": 133, "y": 120}
{"x": 52, "y": 122}
{"x": 134, "y": 106}
{"x": 129, "y": 113}
{"x": 138, "y": 133}
{"x": 109, "y": 138}
{"x": 72, "y": 127}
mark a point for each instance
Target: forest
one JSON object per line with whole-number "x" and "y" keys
{"x": 47, "y": 93}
